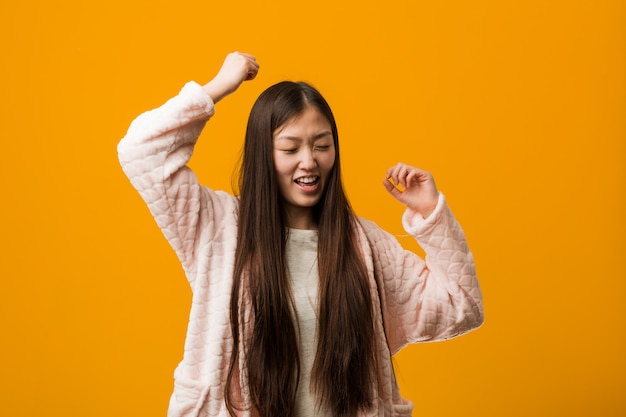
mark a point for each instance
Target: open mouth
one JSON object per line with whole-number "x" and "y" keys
{"x": 307, "y": 182}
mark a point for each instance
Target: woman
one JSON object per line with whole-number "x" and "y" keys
{"x": 298, "y": 305}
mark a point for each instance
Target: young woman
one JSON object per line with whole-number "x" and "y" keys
{"x": 298, "y": 305}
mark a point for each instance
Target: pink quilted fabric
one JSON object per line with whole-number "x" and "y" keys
{"x": 429, "y": 300}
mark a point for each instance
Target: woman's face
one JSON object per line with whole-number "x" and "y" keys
{"x": 304, "y": 155}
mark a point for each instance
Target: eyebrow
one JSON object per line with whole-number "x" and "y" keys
{"x": 297, "y": 139}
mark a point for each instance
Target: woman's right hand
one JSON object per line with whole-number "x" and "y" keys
{"x": 237, "y": 68}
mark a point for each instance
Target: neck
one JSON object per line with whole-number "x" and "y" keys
{"x": 301, "y": 218}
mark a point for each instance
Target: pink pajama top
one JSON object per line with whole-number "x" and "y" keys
{"x": 415, "y": 300}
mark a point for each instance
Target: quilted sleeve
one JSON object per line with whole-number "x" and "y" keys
{"x": 433, "y": 299}
{"x": 154, "y": 154}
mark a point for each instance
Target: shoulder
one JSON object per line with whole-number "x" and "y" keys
{"x": 368, "y": 226}
{"x": 377, "y": 237}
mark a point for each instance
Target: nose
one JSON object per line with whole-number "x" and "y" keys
{"x": 308, "y": 159}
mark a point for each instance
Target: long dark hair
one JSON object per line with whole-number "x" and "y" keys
{"x": 344, "y": 369}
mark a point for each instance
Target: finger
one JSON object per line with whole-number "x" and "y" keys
{"x": 388, "y": 172}
{"x": 253, "y": 69}
{"x": 248, "y": 59}
{"x": 393, "y": 172}
{"x": 402, "y": 173}
{"x": 415, "y": 176}
{"x": 410, "y": 177}
{"x": 251, "y": 61}
{"x": 252, "y": 73}
{"x": 392, "y": 189}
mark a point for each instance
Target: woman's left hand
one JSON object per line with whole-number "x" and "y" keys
{"x": 413, "y": 187}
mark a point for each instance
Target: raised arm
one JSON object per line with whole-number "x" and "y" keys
{"x": 157, "y": 147}
{"x": 432, "y": 299}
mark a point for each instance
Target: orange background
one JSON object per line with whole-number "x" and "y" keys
{"x": 516, "y": 107}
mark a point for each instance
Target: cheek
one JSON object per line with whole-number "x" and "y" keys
{"x": 328, "y": 163}
{"x": 282, "y": 166}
